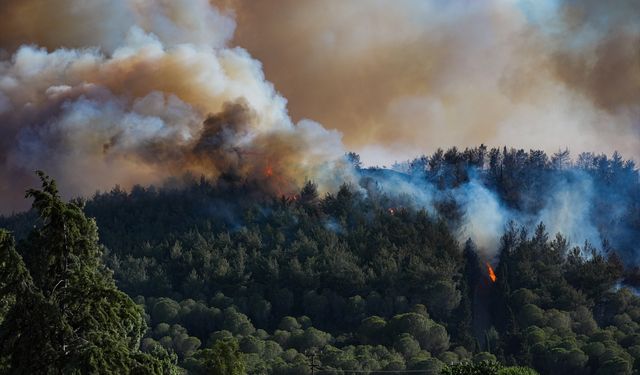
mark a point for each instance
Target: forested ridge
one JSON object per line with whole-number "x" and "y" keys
{"x": 374, "y": 276}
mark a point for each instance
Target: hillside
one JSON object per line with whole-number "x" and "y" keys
{"x": 390, "y": 274}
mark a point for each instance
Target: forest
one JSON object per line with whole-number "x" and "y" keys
{"x": 475, "y": 261}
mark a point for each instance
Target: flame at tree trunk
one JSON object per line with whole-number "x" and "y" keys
{"x": 492, "y": 275}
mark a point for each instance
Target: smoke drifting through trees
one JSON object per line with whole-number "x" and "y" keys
{"x": 160, "y": 92}
{"x": 482, "y": 191}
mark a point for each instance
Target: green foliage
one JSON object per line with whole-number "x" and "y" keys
{"x": 517, "y": 371}
{"x": 486, "y": 367}
{"x": 473, "y": 368}
{"x": 224, "y": 358}
{"x": 68, "y": 316}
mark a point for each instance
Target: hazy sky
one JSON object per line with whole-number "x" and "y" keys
{"x": 399, "y": 77}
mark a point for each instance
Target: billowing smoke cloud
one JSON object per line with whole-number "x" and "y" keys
{"x": 597, "y": 51}
{"x": 106, "y": 24}
{"x": 400, "y": 77}
{"x": 153, "y": 95}
{"x": 134, "y": 91}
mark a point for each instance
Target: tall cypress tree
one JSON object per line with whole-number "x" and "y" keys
{"x": 68, "y": 315}
{"x": 463, "y": 327}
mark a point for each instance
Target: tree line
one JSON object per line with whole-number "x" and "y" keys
{"x": 219, "y": 277}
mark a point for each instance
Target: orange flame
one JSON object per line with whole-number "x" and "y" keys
{"x": 492, "y": 275}
{"x": 269, "y": 171}
{"x": 395, "y": 210}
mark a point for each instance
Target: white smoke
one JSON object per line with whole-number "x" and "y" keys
{"x": 130, "y": 108}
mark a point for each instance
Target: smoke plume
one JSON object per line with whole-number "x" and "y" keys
{"x": 127, "y": 92}
{"x": 401, "y": 77}
{"x": 124, "y": 92}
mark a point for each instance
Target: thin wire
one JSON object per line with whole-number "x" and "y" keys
{"x": 375, "y": 371}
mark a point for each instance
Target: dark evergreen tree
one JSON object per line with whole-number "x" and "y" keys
{"x": 68, "y": 315}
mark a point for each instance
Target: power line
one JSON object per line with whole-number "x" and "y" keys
{"x": 373, "y": 372}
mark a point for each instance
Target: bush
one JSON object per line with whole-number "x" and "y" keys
{"x": 477, "y": 368}
{"x": 517, "y": 371}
